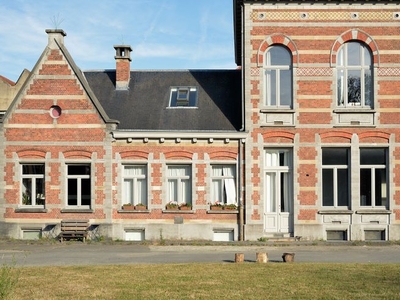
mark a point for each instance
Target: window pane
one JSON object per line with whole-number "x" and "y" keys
{"x": 353, "y": 54}
{"x": 343, "y": 189}
{"x": 128, "y": 191}
{"x": 40, "y": 192}
{"x": 368, "y": 87}
{"x": 286, "y": 87}
{"x": 327, "y": 187}
{"x": 380, "y": 187}
{"x": 365, "y": 187}
{"x": 334, "y": 156}
{"x": 279, "y": 56}
{"x": 271, "y": 87}
{"x": 367, "y": 57}
{"x": 78, "y": 170}
{"x": 373, "y": 156}
{"x": 72, "y": 192}
{"x": 32, "y": 169}
{"x": 354, "y": 87}
{"x": 271, "y": 183}
{"x": 85, "y": 191}
{"x": 340, "y": 88}
{"x": 27, "y": 191}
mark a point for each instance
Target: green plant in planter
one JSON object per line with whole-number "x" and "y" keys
{"x": 127, "y": 206}
{"x": 230, "y": 206}
{"x": 140, "y": 206}
{"x": 172, "y": 205}
{"x": 185, "y": 205}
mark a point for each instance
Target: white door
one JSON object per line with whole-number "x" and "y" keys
{"x": 277, "y": 199}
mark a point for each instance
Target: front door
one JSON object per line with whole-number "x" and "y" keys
{"x": 278, "y": 190}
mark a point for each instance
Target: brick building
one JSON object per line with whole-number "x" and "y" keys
{"x": 302, "y": 140}
{"x": 322, "y": 98}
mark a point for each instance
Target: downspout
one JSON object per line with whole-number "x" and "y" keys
{"x": 242, "y": 144}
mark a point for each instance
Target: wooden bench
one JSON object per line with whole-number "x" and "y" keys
{"x": 74, "y": 229}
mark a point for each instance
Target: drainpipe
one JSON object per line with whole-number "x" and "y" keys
{"x": 242, "y": 145}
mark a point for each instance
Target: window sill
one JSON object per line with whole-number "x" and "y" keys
{"x": 373, "y": 211}
{"x": 357, "y": 117}
{"x": 31, "y": 210}
{"x": 336, "y": 212}
{"x": 77, "y": 210}
{"x": 137, "y": 211}
{"x": 224, "y": 211}
{"x": 348, "y": 110}
{"x": 275, "y": 117}
{"x": 177, "y": 211}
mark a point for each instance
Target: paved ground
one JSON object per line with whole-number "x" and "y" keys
{"x": 78, "y": 253}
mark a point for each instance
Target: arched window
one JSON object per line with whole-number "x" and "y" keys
{"x": 278, "y": 77}
{"x": 354, "y": 76}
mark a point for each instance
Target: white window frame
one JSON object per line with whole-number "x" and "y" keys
{"x": 135, "y": 195}
{"x": 33, "y": 177}
{"x": 268, "y": 80}
{"x": 79, "y": 185}
{"x": 227, "y": 194}
{"x": 182, "y": 194}
{"x": 373, "y": 168}
{"x": 273, "y": 173}
{"x": 335, "y": 169}
{"x": 343, "y": 67}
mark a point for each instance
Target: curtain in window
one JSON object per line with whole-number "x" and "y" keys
{"x": 217, "y": 187}
{"x": 179, "y": 187}
{"x": 229, "y": 185}
{"x": 135, "y": 184}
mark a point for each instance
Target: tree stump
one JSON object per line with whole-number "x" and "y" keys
{"x": 239, "y": 257}
{"x": 261, "y": 257}
{"x": 288, "y": 257}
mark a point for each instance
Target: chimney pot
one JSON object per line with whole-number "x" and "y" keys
{"x": 55, "y": 35}
{"x": 123, "y": 66}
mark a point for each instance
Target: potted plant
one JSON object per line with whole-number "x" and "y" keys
{"x": 140, "y": 206}
{"x": 128, "y": 206}
{"x": 230, "y": 207}
{"x": 216, "y": 205}
{"x": 185, "y": 206}
{"x": 172, "y": 205}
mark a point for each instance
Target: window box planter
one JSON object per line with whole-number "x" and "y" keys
{"x": 172, "y": 205}
{"x": 128, "y": 207}
{"x": 230, "y": 207}
{"x": 140, "y": 207}
{"x": 185, "y": 207}
{"x": 216, "y": 207}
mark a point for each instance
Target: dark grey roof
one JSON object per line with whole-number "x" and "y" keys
{"x": 144, "y": 106}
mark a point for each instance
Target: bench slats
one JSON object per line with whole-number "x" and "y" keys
{"x": 74, "y": 228}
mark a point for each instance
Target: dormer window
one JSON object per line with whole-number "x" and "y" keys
{"x": 183, "y": 96}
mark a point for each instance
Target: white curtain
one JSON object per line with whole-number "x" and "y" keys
{"x": 135, "y": 185}
{"x": 229, "y": 184}
{"x": 179, "y": 186}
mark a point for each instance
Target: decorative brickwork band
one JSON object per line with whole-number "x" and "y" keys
{"x": 389, "y": 72}
{"x": 279, "y": 39}
{"x": 314, "y": 71}
{"x": 351, "y": 35}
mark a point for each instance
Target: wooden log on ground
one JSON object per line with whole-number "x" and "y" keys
{"x": 262, "y": 257}
{"x": 288, "y": 257}
{"x": 239, "y": 257}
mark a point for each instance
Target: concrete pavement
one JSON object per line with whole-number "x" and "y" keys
{"x": 78, "y": 253}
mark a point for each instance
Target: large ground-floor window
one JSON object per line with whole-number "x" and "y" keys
{"x": 179, "y": 184}
{"x": 78, "y": 185}
{"x": 134, "y": 184}
{"x": 33, "y": 187}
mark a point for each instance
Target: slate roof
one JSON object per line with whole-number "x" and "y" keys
{"x": 144, "y": 105}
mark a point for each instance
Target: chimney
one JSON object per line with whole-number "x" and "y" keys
{"x": 55, "y": 35}
{"x": 123, "y": 66}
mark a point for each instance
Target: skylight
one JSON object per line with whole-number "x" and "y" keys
{"x": 183, "y": 96}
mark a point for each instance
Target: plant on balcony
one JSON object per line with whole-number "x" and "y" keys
{"x": 140, "y": 206}
{"x": 128, "y": 206}
{"x": 185, "y": 206}
{"x": 171, "y": 205}
{"x": 216, "y": 205}
{"x": 230, "y": 207}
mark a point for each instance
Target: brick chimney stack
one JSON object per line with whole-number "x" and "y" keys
{"x": 55, "y": 35}
{"x": 123, "y": 66}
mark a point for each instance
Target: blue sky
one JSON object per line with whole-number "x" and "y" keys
{"x": 164, "y": 34}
